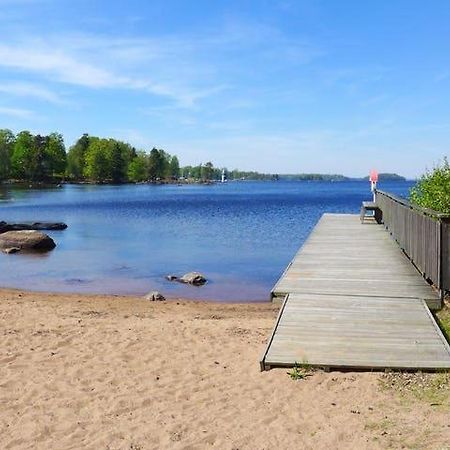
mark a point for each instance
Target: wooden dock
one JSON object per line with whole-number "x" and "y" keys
{"x": 352, "y": 299}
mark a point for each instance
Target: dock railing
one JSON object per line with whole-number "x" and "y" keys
{"x": 423, "y": 234}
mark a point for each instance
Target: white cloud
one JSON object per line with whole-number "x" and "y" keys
{"x": 16, "y": 112}
{"x": 55, "y": 64}
{"x": 183, "y": 69}
{"x": 73, "y": 63}
{"x": 30, "y": 90}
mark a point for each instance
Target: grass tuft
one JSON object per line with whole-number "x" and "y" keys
{"x": 300, "y": 371}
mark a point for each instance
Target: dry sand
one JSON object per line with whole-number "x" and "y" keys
{"x": 104, "y": 372}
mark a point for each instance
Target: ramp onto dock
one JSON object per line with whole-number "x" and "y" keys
{"x": 353, "y": 300}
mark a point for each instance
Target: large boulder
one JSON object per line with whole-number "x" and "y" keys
{"x": 195, "y": 278}
{"x": 26, "y": 240}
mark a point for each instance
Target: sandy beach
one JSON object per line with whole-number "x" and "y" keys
{"x": 107, "y": 372}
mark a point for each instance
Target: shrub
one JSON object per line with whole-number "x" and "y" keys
{"x": 432, "y": 190}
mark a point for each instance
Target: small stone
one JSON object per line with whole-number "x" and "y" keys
{"x": 155, "y": 296}
{"x": 171, "y": 277}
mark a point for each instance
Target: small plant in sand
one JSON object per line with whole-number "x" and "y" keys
{"x": 300, "y": 371}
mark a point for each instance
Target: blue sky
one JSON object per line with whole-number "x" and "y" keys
{"x": 276, "y": 86}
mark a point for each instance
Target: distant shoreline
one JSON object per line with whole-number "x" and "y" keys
{"x": 287, "y": 177}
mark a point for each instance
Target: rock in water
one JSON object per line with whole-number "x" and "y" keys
{"x": 195, "y": 278}
{"x": 39, "y": 226}
{"x": 155, "y": 296}
{"x": 26, "y": 240}
{"x": 32, "y": 226}
{"x": 171, "y": 277}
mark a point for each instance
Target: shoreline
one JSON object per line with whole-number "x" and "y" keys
{"x": 119, "y": 372}
{"x": 100, "y": 295}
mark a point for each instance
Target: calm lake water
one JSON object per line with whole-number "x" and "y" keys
{"x": 125, "y": 239}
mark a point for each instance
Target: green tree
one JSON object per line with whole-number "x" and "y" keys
{"x": 156, "y": 164}
{"x": 40, "y": 164}
{"x": 117, "y": 162}
{"x": 165, "y": 163}
{"x": 174, "y": 168}
{"x": 21, "y": 158}
{"x": 137, "y": 169}
{"x": 76, "y": 157}
{"x": 97, "y": 161}
{"x": 207, "y": 171}
{"x": 194, "y": 172}
{"x": 7, "y": 139}
{"x": 56, "y": 154}
{"x": 128, "y": 153}
{"x": 433, "y": 189}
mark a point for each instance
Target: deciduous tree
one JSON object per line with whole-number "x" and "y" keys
{"x": 7, "y": 139}
{"x": 76, "y": 157}
{"x": 22, "y": 156}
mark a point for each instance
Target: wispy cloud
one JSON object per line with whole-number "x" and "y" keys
{"x": 185, "y": 69}
{"x": 55, "y": 64}
{"x": 93, "y": 64}
{"x": 16, "y": 112}
{"x": 30, "y": 90}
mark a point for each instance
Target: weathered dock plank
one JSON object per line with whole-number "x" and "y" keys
{"x": 343, "y": 257}
{"x": 353, "y": 300}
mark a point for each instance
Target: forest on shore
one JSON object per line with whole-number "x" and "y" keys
{"x": 26, "y": 157}
{"x": 36, "y": 158}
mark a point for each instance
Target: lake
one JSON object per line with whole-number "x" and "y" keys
{"x": 126, "y": 239}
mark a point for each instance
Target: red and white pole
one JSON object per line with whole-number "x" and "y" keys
{"x": 373, "y": 183}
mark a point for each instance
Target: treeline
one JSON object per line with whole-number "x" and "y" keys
{"x": 209, "y": 172}
{"x": 31, "y": 157}
{"x": 338, "y": 177}
{"x": 36, "y": 158}
{"x": 314, "y": 177}
{"x": 108, "y": 160}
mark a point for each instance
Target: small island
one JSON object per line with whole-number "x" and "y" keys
{"x": 388, "y": 177}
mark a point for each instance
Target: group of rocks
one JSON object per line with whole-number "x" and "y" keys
{"x": 193, "y": 278}
{"x": 15, "y": 237}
